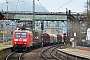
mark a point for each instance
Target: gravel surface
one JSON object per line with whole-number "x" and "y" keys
{"x": 33, "y": 55}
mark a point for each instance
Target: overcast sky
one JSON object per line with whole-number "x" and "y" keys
{"x": 74, "y": 5}
{"x": 58, "y": 5}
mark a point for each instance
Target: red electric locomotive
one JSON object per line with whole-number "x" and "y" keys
{"x": 22, "y": 40}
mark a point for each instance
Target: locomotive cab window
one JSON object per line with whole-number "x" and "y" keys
{"x": 17, "y": 34}
{"x": 23, "y": 35}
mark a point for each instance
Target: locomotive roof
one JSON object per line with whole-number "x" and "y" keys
{"x": 23, "y": 31}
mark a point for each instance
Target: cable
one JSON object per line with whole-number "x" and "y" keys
{"x": 12, "y": 6}
{"x": 63, "y": 5}
{"x": 50, "y": 4}
{"x": 17, "y": 5}
{"x": 41, "y": 5}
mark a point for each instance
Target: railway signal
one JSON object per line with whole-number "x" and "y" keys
{"x": 42, "y": 26}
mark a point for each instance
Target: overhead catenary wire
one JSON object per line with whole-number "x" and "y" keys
{"x": 64, "y": 5}
{"x": 12, "y": 6}
{"x": 17, "y": 5}
{"x": 42, "y": 5}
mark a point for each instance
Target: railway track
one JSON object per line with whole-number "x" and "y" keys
{"x": 48, "y": 54}
{"x": 35, "y": 54}
{"x": 14, "y": 56}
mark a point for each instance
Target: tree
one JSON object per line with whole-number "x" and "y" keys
{"x": 87, "y": 13}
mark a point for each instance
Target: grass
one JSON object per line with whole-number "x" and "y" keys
{"x": 69, "y": 47}
{"x": 5, "y": 44}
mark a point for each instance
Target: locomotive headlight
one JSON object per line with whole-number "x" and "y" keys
{"x": 15, "y": 39}
{"x": 15, "y": 42}
{"x": 25, "y": 40}
{"x": 25, "y": 43}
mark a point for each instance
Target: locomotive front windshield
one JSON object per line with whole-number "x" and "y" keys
{"x": 22, "y": 34}
{"x": 17, "y": 34}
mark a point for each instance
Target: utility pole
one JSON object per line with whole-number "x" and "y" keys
{"x": 8, "y": 21}
{"x": 33, "y": 19}
{"x": 58, "y": 27}
{"x": 3, "y": 28}
{"x": 87, "y": 10}
{"x": 33, "y": 7}
{"x": 7, "y": 9}
{"x": 33, "y": 15}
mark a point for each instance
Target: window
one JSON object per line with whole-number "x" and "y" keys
{"x": 17, "y": 34}
{"x": 22, "y": 34}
